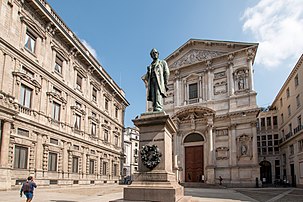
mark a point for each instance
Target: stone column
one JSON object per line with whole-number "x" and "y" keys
{"x": 250, "y": 56}
{"x": 5, "y": 144}
{"x": 185, "y": 92}
{"x": 7, "y": 76}
{"x": 177, "y": 87}
{"x": 210, "y": 83}
{"x": 200, "y": 89}
{"x": 254, "y": 143}
{"x": 210, "y": 169}
{"x": 233, "y": 146}
{"x": 211, "y": 143}
{"x": 39, "y": 156}
{"x": 203, "y": 86}
{"x": 84, "y": 162}
{"x": 230, "y": 76}
{"x": 65, "y": 159}
{"x": 99, "y": 165}
{"x": 5, "y": 171}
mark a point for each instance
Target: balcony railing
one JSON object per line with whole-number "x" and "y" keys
{"x": 288, "y": 135}
{"x": 298, "y": 129}
{"x": 25, "y": 110}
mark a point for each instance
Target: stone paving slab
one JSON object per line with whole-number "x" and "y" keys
{"x": 105, "y": 193}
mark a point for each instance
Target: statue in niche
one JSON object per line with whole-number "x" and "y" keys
{"x": 243, "y": 149}
{"x": 156, "y": 79}
{"x": 241, "y": 83}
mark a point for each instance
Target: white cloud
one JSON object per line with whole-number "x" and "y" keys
{"x": 278, "y": 27}
{"x": 89, "y": 47}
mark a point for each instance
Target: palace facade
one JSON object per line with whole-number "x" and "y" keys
{"x": 212, "y": 101}
{"x": 61, "y": 114}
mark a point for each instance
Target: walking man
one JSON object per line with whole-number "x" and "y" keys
{"x": 28, "y": 189}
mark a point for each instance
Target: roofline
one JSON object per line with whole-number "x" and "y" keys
{"x": 293, "y": 71}
{"x": 192, "y": 40}
{"x": 55, "y": 18}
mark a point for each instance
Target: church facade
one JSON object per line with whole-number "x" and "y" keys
{"x": 212, "y": 101}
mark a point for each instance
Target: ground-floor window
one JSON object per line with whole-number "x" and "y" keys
{"x": 104, "y": 168}
{"x": 91, "y": 166}
{"x": 115, "y": 170}
{"x": 52, "y": 161}
{"x": 21, "y": 155}
{"x": 75, "y": 167}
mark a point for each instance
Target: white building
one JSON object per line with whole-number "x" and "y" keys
{"x": 131, "y": 151}
{"x": 212, "y": 101}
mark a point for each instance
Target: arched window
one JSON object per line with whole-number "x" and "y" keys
{"x": 194, "y": 137}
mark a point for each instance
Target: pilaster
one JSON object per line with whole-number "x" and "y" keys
{"x": 4, "y": 163}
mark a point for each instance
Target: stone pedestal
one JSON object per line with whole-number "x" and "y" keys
{"x": 159, "y": 183}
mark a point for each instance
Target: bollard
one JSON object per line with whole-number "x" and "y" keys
{"x": 257, "y": 182}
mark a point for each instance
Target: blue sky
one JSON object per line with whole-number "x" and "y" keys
{"x": 121, "y": 34}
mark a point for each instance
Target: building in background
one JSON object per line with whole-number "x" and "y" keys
{"x": 212, "y": 101}
{"x": 287, "y": 107}
{"x": 131, "y": 152}
{"x": 268, "y": 146}
{"x": 61, "y": 114}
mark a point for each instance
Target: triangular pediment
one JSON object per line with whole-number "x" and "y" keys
{"x": 195, "y": 51}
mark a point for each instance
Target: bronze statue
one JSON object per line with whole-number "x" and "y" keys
{"x": 156, "y": 79}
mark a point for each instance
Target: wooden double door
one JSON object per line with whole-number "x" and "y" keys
{"x": 194, "y": 159}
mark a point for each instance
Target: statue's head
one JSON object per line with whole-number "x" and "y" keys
{"x": 154, "y": 53}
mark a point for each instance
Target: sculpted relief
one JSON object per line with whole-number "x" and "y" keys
{"x": 194, "y": 56}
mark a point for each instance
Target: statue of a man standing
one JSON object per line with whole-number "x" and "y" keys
{"x": 156, "y": 79}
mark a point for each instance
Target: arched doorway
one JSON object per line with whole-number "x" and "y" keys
{"x": 265, "y": 172}
{"x": 194, "y": 171}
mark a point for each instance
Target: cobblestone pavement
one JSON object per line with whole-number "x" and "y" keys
{"x": 105, "y": 193}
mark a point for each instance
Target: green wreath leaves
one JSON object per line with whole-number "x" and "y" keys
{"x": 150, "y": 156}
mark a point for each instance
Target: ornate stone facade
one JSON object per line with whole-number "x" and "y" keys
{"x": 213, "y": 104}
{"x": 61, "y": 115}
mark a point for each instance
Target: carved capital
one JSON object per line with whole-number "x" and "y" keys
{"x": 250, "y": 54}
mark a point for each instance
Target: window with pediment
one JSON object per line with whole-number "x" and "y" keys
{"x": 94, "y": 94}
{"x": 78, "y": 114}
{"x": 77, "y": 124}
{"x": 79, "y": 82}
{"x": 106, "y": 101}
{"x": 56, "y": 111}
{"x": 60, "y": 58}
{"x": 93, "y": 129}
{"x": 80, "y": 75}
{"x": 27, "y": 72}
{"x": 30, "y": 41}
{"x": 26, "y": 96}
{"x": 26, "y": 77}
{"x": 94, "y": 121}
{"x": 58, "y": 65}
{"x": 57, "y": 103}
{"x": 32, "y": 34}
{"x": 105, "y": 135}
{"x": 193, "y": 91}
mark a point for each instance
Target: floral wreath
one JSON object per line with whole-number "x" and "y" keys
{"x": 150, "y": 156}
